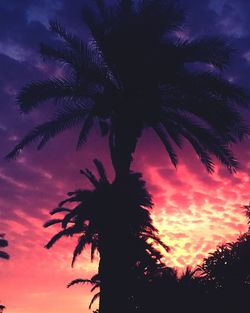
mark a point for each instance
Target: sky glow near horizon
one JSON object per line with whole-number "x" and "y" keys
{"x": 194, "y": 211}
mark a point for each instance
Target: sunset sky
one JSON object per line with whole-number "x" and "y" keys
{"x": 193, "y": 210}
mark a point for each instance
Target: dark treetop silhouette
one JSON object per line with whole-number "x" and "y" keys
{"x": 135, "y": 72}
{"x": 226, "y": 274}
{"x": 229, "y": 265}
{"x": 92, "y": 218}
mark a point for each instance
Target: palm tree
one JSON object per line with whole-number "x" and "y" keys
{"x": 3, "y": 244}
{"x": 134, "y": 72}
{"x": 92, "y": 220}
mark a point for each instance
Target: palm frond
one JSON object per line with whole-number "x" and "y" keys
{"x": 87, "y": 125}
{"x": 93, "y": 22}
{"x": 101, "y": 171}
{"x": 86, "y": 59}
{"x": 89, "y": 69}
{"x": 172, "y": 130}
{"x": 73, "y": 41}
{"x": 214, "y": 145}
{"x": 67, "y": 218}
{"x": 59, "y": 210}
{"x": 97, "y": 285}
{"x": 82, "y": 241}
{"x": 66, "y": 57}
{"x": 157, "y": 240}
{"x": 96, "y": 296}
{"x": 200, "y": 151}
{"x": 212, "y": 84}
{"x": 66, "y": 118}
{"x": 165, "y": 140}
{"x": 4, "y": 255}
{"x": 75, "y": 198}
{"x": 80, "y": 281}
{"x": 3, "y": 243}
{"x": 91, "y": 177}
{"x": 52, "y": 222}
{"x": 59, "y": 89}
{"x": 204, "y": 140}
{"x": 213, "y": 51}
{"x": 65, "y": 232}
{"x": 207, "y": 108}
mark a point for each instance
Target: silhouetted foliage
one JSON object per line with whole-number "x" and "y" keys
{"x": 229, "y": 265}
{"x": 226, "y": 274}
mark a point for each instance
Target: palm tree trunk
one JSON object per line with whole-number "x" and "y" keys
{"x": 114, "y": 282}
{"x": 115, "y": 265}
{"x": 122, "y": 144}
{"x": 116, "y": 258}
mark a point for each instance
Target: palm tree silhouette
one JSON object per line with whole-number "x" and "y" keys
{"x": 134, "y": 72}
{"x": 91, "y": 219}
{"x": 3, "y": 244}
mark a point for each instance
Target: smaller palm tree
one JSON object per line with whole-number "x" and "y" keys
{"x": 88, "y": 218}
{"x": 3, "y": 244}
{"x": 105, "y": 214}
